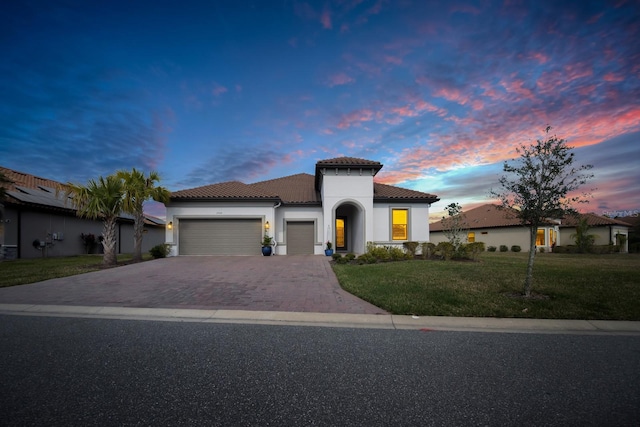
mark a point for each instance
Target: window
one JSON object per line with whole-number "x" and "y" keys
{"x": 471, "y": 237}
{"x": 540, "y": 237}
{"x": 553, "y": 236}
{"x": 399, "y": 224}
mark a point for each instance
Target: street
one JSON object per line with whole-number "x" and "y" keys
{"x": 79, "y": 371}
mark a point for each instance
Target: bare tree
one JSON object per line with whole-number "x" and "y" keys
{"x": 541, "y": 184}
{"x": 455, "y": 228}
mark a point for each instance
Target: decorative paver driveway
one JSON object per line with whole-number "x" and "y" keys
{"x": 303, "y": 283}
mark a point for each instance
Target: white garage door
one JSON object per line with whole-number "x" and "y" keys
{"x": 300, "y": 238}
{"x": 220, "y": 236}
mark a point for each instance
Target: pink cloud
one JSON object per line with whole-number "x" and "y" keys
{"x": 355, "y": 118}
{"x": 325, "y": 17}
{"x": 339, "y": 80}
{"x": 218, "y": 90}
{"x": 393, "y": 60}
{"x": 611, "y": 77}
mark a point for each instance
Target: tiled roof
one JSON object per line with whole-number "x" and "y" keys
{"x": 485, "y": 216}
{"x": 292, "y": 189}
{"x": 632, "y": 221}
{"x": 224, "y": 190}
{"x": 593, "y": 220}
{"x": 385, "y": 192}
{"x": 25, "y": 180}
{"x": 32, "y": 190}
{"x": 490, "y": 216}
{"x": 348, "y": 161}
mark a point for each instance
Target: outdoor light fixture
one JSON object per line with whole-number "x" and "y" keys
{"x": 170, "y": 225}
{"x": 267, "y": 226}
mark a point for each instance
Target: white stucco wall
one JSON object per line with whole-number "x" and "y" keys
{"x": 342, "y": 186}
{"x": 418, "y": 223}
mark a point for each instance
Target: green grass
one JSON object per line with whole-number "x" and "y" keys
{"x": 23, "y": 271}
{"x": 578, "y": 286}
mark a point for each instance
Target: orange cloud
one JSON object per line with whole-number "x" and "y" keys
{"x": 355, "y": 118}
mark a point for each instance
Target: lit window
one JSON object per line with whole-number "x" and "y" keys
{"x": 399, "y": 224}
{"x": 471, "y": 237}
{"x": 540, "y": 237}
{"x": 340, "y": 233}
{"x": 553, "y": 237}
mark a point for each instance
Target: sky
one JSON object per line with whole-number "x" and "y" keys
{"x": 441, "y": 93}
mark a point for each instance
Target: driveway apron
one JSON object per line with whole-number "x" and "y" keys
{"x": 301, "y": 283}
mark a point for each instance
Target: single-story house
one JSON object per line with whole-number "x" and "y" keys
{"x": 496, "y": 226}
{"x": 340, "y": 203}
{"x": 35, "y": 222}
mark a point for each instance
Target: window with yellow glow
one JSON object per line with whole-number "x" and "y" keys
{"x": 471, "y": 237}
{"x": 399, "y": 224}
{"x": 540, "y": 237}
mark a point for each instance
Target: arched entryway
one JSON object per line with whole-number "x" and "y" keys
{"x": 349, "y": 226}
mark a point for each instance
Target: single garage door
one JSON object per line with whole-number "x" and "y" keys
{"x": 220, "y": 236}
{"x": 300, "y": 238}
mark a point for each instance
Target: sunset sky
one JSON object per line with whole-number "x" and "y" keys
{"x": 439, "y": 92}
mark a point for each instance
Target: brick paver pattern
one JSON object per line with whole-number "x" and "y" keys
{"x": 303, "y": 283}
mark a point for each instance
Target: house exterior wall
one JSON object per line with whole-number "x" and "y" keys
{"x": 418, "y": 230}
{"x": 604, "y": 235}
{"x": 212, "y": 210}
{"x": 61, "y": 234}
{"x": 508, "y": 236}
{"x": 344, "y": 186}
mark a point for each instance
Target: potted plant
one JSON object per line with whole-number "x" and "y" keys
{"x": 267, "y": 242}
{"x": 328, "y": 251}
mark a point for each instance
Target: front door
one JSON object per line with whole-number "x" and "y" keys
{"x": 341, "y": 234}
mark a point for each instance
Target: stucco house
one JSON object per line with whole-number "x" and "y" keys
{"x": 495, "y": 227}
{"x": 33, "y": 212}
{"x": 340, "y": 203}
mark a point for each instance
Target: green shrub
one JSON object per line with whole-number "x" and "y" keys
{"x": 427, "y": 249}
{"x": 397, "y": 254}
{"x": 367, "y": 259}
{"x": 491, "y": 249}
{"x": 541, "y": 249}
{"x": 350, "y": 256}
{"x": 336, "y": 256}
{"x": 504, "y": 248}
{"x": 474, "y": 249}
{"x": 378, "y": 252}
{"x": 444, "y": 250}
{"x": 515, "y": 248}
{"x": 342, "y": 260}
{"x": 462, "y": 252}
{"x": 160, "y": 251}
{"x": 411, "y": 248}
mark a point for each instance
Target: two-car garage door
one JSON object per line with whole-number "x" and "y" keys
{"x": 220, "y": 236}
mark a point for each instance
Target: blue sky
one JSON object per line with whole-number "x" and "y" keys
{"x": 441, "y": 93}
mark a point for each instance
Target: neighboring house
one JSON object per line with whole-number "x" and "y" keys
{"x": 36, "y": 222}
{"x": 495, "y": 227}
{"x": 340, "y": 203}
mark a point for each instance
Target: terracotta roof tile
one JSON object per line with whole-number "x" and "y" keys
{"x": 292, "y": 189}
{"x": 26, "y": 180}
{"x": 384, "y": 191}
{"x": 490, "y": 216}
{"x": 485, "y": 216}
{"x": 224, "y": 190}
{"x": 348, "y": 161}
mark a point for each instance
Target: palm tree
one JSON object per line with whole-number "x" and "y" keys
{"x": 100, "y": 199}
{"x": 139, "y": 188}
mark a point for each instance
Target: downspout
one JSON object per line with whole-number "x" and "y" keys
{"x": 275, "y": 240}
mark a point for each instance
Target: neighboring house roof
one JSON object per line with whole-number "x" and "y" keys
{"x": 631, "y": 221}
{"x": 485, "y": 216}
{"x": 31, "y": 190}
{"x": 298, "y": 189}
{"x": 491, "y": 216}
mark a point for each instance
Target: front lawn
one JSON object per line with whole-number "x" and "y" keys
{"x": 22, "y": 271}
{"x": 566, "y": 286}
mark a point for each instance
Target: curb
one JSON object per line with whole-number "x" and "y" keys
{"x": 341, "y": 320}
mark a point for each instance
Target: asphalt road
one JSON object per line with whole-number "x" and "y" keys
{"x": 74, "y": 371}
